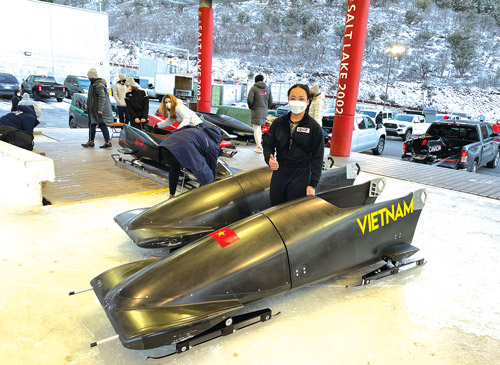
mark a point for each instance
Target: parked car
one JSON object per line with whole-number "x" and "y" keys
{"x": 386, "y": 114}
{"x": 327, "y": 121}
{"x": 76, "y": 84}
{"x": 406, "y": 125}
{"x": 455, "y": 144}
{"x": 41, "y": 86}
{"x": 240, "y": 104}
{"x": 8, "y": 85}
{"x": 78, "y": 116}
{"x": 366, "y": 135}
{"x": 282, "y": 110}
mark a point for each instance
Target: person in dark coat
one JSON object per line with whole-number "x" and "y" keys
{"x": 297, "y": 140}
{"x": 99, "y": 109}
{"x": 137, "y": 102}
{"x": 192, "y": 147}
{"x": 15, "y": 100}
{"x": 259, "y": 100}
{"x": 379, "y": 119}
{"x": 24, "y": 118}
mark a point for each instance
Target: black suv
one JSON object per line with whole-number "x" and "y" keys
{"x": 8, "y": 85}
{"x": 76, "y": 84}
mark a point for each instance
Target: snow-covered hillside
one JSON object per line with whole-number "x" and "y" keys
{"x": 299, "y": 41}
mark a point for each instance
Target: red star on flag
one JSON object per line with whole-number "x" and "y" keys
{"x": 224, "y": 236}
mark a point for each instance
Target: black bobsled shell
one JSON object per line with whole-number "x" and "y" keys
{"x": 229, "y": 124}
{"x": 253, "y": 267}
{"x": 147, "y": 328}
{"x": 108, "y": 279}
{"x": 341, "y": 239}
{"x": 143, "y": 146}
{"x": 356, "y": 195}
{"x": 192, "y": 215}
{"x": 282, "y": 248}
{"x": 177, "y": 221}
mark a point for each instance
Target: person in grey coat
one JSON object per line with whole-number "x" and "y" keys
{"x": 259, "y": 100}
{"x": 98, "y": 109}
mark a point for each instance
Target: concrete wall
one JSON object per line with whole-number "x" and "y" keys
{"x": 62, "y": 40}
{"x": 22, "y": 174}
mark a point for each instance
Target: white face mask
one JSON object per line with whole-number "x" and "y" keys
{"x": 297, "y": 106}
{"x": 168, "y": 105}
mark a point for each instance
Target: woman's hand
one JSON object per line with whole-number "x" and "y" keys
{"x": 143, "y": 120}
{"x": 137, "y": 120}
{"x": 273, "y": 164}
{"x": 310, "y": 191}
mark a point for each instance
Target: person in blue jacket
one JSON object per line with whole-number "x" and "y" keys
{"x": 194, "y": 148}
{"x": 24, "y": 118}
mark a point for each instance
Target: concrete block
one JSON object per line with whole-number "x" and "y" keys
{"x": 22, "y": 173}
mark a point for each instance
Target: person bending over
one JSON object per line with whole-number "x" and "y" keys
{"x": 194, "y": 148}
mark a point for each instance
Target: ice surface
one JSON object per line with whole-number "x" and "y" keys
{"x": 444, "y": 313}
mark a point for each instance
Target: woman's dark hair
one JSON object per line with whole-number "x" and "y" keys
{"x": 259, "y": 78}
{"x": 301, "y": 86}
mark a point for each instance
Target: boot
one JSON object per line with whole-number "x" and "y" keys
{"x": 88, "y": 144}
{"x": 106, "y": 145}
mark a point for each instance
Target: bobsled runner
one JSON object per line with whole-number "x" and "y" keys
{"x": 143, "y": 146}
{"x": 176, "y": 222}
{"x": 201, "y": 289}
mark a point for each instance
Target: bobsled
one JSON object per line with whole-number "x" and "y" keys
{"x": 158, "y": 117}
{"x": 229, "y": 124}
{"x": 201, "y": 291}
{"x": 178, "y": 221}
{"x": 143, "y": 145}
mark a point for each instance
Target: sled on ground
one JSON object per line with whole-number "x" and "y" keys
{"x": 187, "y": 217}
{"x": 200, "y": 290}
{"x": 142, "y": 147}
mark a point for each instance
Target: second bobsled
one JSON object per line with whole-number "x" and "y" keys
{"x": 178, "y": 221}
{"x": 143, "y": 145}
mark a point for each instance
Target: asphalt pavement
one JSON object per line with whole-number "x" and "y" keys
{"x": 55, "y": 114}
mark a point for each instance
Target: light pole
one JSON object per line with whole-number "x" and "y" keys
{"x": 395, "y": 50}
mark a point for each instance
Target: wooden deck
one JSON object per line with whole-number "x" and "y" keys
{"x": 463, "y": 181}
{"x": 86, "y": 173}
{"x": 89, "y": 173}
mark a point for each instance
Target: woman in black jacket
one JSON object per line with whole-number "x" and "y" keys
{"x": 137, "y": 102}
{"x": 297, "y": 140}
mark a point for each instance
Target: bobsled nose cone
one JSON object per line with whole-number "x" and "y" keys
{"x": 124, "y": 218}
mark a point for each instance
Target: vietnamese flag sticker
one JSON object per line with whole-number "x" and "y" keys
{"x": 224, "y": 236}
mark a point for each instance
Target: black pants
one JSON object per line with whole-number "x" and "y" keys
{"x": 104, "y": 129}
{"x": 122, "y": 110}
{"x": 169, "y": 159}
{"x": 288, "y": 183}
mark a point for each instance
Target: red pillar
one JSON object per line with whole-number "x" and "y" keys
{"x": 204, "y": 66}
{"x": 350, "y": 71}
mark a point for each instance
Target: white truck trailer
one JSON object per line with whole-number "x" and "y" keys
{"x": 181, "y": 86}
{"x": 53, "y": 40}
